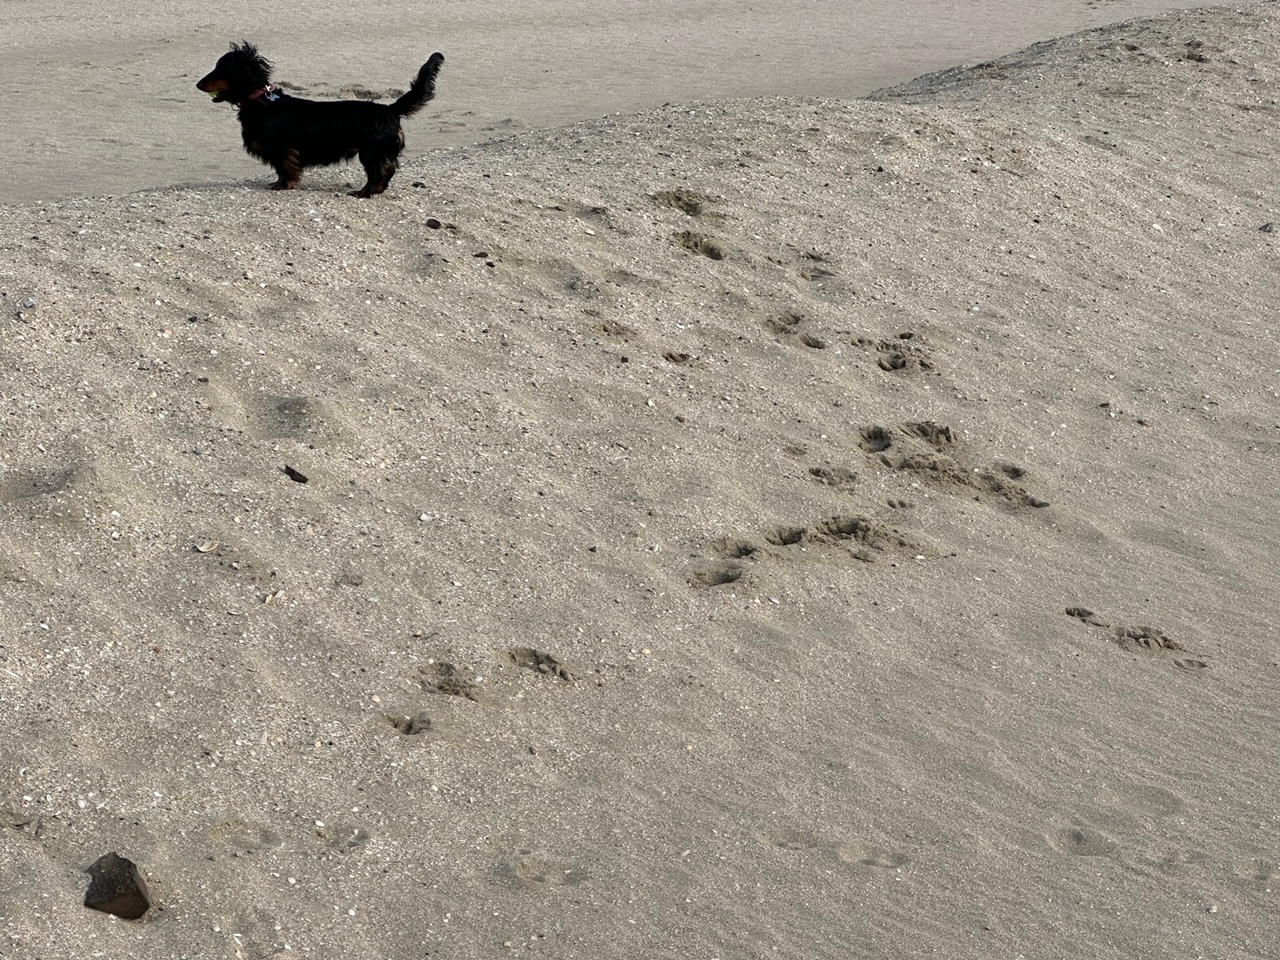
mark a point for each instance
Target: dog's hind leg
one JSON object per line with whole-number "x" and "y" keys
{"x": 288, "y": 170}
{"x": 379, "y": 168}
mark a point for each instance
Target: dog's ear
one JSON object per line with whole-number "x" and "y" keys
{"x": 247, "y": 49}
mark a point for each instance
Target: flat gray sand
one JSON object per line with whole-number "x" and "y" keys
{"x": 757, "y": 528}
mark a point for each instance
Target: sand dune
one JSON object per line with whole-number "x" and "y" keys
{"x": 751, "y": 528}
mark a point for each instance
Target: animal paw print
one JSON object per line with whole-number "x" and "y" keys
{"x": 1141, "y": 639}
{"x": 443, "y": 677}
{"x": 841, "y": 478}
{"x": 929, "y": 451}
{"x": 788, "y": 325}
{"x": 539, "y": 662}
{"x": 904, "y": 353}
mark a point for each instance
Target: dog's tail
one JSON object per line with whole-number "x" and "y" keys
{"x": 423, "y": 89}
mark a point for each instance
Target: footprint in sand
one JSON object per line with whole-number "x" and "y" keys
{"x": 869, "y": 855}
{"x": 700, "y": 243}
{"x": 241, "y": 838}
{"x": 875, "y": 439}
{"x": 42, "y": 483}
{"x": 733, "y": 548}
{"x": 860, "y": 538}
{"x": 716, "y": 575}
{"x": 531, "y": 870}
{"x": 1141, "y": 639}
{"x": 539, "y": 662}
{"x": 341, "y": 837}
{"x": 785, "y": 536}
{"x": 443, "y": 677}
{"x": 1170, "y": 858}
{"x": 855, "y": 852}
{"x": 1082, "y": 842}
{"x": 840, "y": 478}
{"x": 816, "y": 267}
{"x": 786, "y": 838}
{"x": 410, "y": 723}
{"x": 1257, "y": 873}
{"x": 906, "y": 353}
{"x": 688, "y": 202}
{"x": 788, "y": 325}
{"x": 931, "y": 453}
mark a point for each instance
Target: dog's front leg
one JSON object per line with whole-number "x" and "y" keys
{"x": 289, "y": 171}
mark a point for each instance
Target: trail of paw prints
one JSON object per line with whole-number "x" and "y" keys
{"x": 907, "y": 352}
{"x": 1141, "y": 639}
{"x": 695, "y": 206}
{"x": 842, "y": 537}
{"x": 861, "y": 538}
{"x": 930, "y": 453}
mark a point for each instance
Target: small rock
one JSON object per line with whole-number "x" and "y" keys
{"x": 116, "y": 887}
{"x": 1268, "y": 227}
{"x": 433, "y": 223}
{"x": 294, "y": 475}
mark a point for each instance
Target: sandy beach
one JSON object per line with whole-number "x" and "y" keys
{"x": 746, "y": 522}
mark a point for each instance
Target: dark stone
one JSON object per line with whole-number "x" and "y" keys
{"x": 294, "y": 475}
{"x": 116, "y": 887}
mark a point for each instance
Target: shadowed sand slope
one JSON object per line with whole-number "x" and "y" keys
{"x": 774, "y": 528}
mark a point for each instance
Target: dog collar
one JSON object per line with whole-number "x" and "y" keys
{"x": 269, "y": 93}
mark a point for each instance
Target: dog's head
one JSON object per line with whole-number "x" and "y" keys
{"x": 237, "y": 75}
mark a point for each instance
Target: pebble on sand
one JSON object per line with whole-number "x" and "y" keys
{"x": 116, "y": 887}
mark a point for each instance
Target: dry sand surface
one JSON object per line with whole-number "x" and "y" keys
{"x": 799, "y": 528}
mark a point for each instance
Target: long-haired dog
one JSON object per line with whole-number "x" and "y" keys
{"x": 290, "y": 133}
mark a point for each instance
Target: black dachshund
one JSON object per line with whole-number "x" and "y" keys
{"x": 290, "y": 133}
